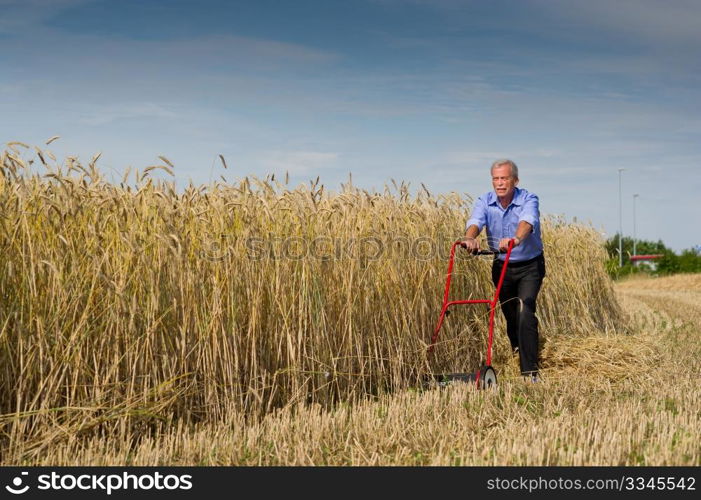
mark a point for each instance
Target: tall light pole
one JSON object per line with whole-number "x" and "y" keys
{"x": 620, "y": 219}
{"x": 634, "y": 238}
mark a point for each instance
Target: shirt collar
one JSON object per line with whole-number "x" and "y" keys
{"x": 493, "y": 199}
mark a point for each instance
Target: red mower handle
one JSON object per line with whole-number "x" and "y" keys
{"x": 488, "y": 252}
{"x": 485, "y": 252}
{"x": 492, "y": 303}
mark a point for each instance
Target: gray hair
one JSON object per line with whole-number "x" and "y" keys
{"x": 499, "y": 163}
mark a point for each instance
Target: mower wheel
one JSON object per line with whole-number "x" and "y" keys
{"x": 488, "y": 378}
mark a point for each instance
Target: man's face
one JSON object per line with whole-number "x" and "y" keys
{"x": 503, "y": 182}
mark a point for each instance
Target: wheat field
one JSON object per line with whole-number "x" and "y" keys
{"x": 256, "y": 323}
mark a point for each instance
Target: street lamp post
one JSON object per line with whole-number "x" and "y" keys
{"x": 620, "y": 219}
{"x": 634, "y": 237}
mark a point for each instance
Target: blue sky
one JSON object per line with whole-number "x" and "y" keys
{"x": 424, "y": 91}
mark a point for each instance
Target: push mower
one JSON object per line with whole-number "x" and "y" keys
{"x": 486, "y": 377}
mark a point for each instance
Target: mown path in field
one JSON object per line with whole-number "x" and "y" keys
{"x": 605, "y": 399}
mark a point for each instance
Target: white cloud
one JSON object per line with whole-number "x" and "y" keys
{"x": 19, "y": 16}
{"x": 660, "y": 24}
{"x": 298, "y": 162}
{"x": 101, "y": 115}
{"x": 653, "y": 22}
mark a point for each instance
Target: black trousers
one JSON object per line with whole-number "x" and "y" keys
{"x": 518, "y": 303}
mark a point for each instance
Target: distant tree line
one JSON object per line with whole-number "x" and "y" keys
{"x": 688, "y": 261}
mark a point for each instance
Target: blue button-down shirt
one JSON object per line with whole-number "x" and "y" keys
{"x": 502, "y": 222}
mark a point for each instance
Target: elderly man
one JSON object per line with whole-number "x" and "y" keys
{"x": 508, "y": 213}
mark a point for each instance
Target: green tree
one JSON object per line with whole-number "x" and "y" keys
{"x": 642, "y": 247}
{"x": 689, "y": 261}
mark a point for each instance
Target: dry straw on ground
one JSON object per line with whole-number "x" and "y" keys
{"x": 135, "y": 314}
{"x": 586, "y": 414}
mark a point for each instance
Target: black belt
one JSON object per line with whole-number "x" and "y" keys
{"x": 520, "y": 263}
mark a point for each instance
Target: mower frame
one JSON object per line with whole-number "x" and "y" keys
{"x": 492, "y": 307}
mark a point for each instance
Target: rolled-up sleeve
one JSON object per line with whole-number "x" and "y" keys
{"x": 530, "y": 212}
{"x": 479, "y": 215}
